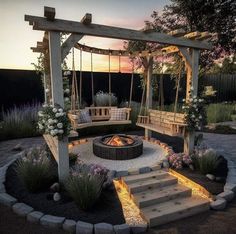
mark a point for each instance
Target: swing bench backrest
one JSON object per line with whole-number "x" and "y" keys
{"x": 100, "y": 116}
{"x": 164, "y": 122}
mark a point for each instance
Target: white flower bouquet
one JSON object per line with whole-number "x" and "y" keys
{"x": 53, "y": 120}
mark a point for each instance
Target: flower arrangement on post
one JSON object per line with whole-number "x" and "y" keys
{"x": 66, "y": 88}
{"x": 194, "y": 110}
{"x": 53, "y": 120}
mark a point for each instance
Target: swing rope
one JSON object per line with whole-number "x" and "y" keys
{"x": 131, "y": 85}
{"x": 74, "y": 93}
{"x": 92, "y": 80}
{"x": 80, "y": 78}
{"x": 109, "y": 75}
{"x": 177, "y": 88}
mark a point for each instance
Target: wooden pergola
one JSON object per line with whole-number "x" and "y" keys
{"x": 188, "y": 45}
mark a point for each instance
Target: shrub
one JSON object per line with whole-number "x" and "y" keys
{"x": 103, "y": 99}
{"x": 179, "y": 160}
{"x": 54, "y": 121}
{"x": 34, "y": 170}
{"x": 85, "y": 188}
{"x": 219, "y": 112}
{"x": 207, "y": 162}
{"x": 72, "y": 158}
{"x": 19, "y": 122}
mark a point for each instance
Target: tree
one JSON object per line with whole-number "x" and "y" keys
{"x": 216, "y": 16}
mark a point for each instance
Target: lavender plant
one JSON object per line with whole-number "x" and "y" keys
{"x": 34, "y": 170}
{"x": 20, "y": 122}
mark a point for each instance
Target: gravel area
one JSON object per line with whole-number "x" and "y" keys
{"x": 152, "y": 153}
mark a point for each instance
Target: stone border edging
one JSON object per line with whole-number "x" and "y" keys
{"x": 81, "y": 227}
{"x": 70, "y": 225}
{"x": 229, "y": 188}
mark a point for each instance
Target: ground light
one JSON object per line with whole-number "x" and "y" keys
{"x": 130, "y": 210}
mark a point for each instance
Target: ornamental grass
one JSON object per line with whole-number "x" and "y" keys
{"x": 34, "y": 170}
{"x": 85, "y": 188}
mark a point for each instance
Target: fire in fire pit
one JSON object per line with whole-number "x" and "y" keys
{"x": 117, "y": 147}
{"x": 117, "y": 140}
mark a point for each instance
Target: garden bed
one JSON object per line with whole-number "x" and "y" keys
{"x": 211, "y": 186}
{"x": 108, "y": 209}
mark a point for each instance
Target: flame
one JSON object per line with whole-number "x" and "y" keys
{"x": 117, "y": 140}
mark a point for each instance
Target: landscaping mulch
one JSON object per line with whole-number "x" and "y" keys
{"x": 211, "y": 186}
{"x": 108, "y": 209}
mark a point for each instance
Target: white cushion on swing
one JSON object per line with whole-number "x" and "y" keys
{"x": 84, "y": 117}
{"x": 118, "y": 114}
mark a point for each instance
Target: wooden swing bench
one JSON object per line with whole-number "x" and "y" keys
{"x": 100, "y": 116}
{"x": 169, "y": 123}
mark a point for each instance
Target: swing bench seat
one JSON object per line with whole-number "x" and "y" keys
{"x": 100, "y": 116}
{"x": 168, "y": 123}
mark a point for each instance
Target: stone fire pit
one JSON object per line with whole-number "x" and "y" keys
{"x": 117, "y": 147}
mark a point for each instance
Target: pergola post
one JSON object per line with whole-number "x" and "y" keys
{"x": 148, "y": 133}
{"x": 192, "y": 81}
{"x": 58, "y": 98}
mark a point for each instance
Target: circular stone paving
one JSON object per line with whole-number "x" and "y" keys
{"x": 152, "y": 153}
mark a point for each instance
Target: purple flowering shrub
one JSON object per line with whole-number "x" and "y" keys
{"x": 97, "y": 169}
{"x": 179, "y": 160}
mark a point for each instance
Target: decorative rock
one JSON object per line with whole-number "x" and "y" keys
{"x": 210, "y": 177}
{"x": 22, "y": 209}
{"x": 17, "y": 147}
{"x": 84, "y": 228}
{"x": 69, "y": 225}
{"x": 52, "y": 221}
{"x": 229, "y": 186}
{"x": 139, "y": 228}
{"x": 218, "y": 204}
{"x": 133, "y": 171}
{"x": 34, "y": 216}
{"x": 122, "y": 229}
{"x": 143, "y": 170}
{"x": 103, "y": 228}
{"x": 55, "y": 187}
{"x": 121, "y": 173}
{"x": 56, "y": 197}
{"x": 7, "y": 199}
{"x": 157, "y": 142}
{"x": 165, "y": 164}
{"x": 227, "y": 195}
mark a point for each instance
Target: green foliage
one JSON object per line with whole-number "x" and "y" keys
{"x": 206, "y": 163}
{"x": 85, "y": 189}
{"x": 34, "y": 170}
{"x": 219, "y": 112}
{"x": 72, "y": 158}
{"x": 103, "y": 99}
{"x": 20, "y": 122}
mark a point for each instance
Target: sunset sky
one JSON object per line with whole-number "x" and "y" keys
{"x": 17, "y": 36}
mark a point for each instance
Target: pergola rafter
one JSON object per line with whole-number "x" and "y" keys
{"x": 187, "y": 44}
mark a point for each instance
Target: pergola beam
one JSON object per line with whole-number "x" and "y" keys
{"x": 69, "y": 43}
{"x": 40, "y": 23}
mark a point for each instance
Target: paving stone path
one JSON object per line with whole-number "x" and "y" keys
{"x": 226, "y": 144}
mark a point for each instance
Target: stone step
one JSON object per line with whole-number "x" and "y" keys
{"x": 151, "y": 183}
{"x": 159, "y": 195}
{"x": 169, "y": 211}
{"x": 140, "y": 177}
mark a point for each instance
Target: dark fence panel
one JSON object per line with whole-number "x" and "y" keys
{"x": 21, "y": 86}
{"x": 224, "y": 84}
